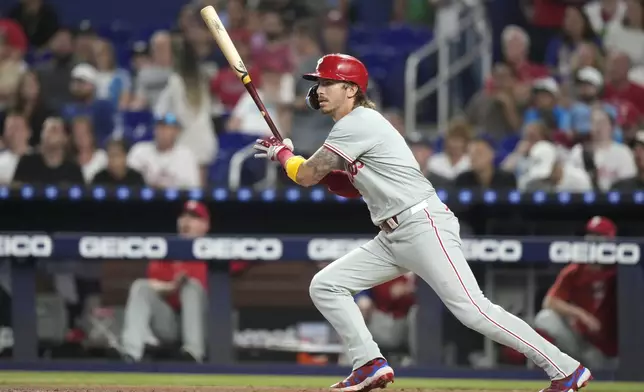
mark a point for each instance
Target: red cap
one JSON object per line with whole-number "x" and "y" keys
{"x": 197, "y": 208}
{"x": 340, "y": 67}
{"x": 602, "y": 226}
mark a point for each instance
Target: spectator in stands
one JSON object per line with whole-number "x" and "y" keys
{"x": 152, "y": 78}
{"x": 84, "y": 149}
{"x": 546, "y": 170}
{"x": 117, "y": 171}
{"x": 55, "y": 75}
{"x": 637, "y": 181}
{"x": 516, "y": 161}
{"x": 171, "y": 299}
{"x": 38, "y": 19}
{"x": 225, "y": 84}
{"x": 187, "y": 18}
{"x": 423, "y": 151}
{"x": 589, "y": 84}
{"x": 309, "y": 129}
{"x": 630, "y": 120}
{"x": 164, "y": 163}
{"x": 186, "y": 96}
{"x": 335, "y": 33}
{"x": 15, "y": 38}
{"x": 29, "y": 102}
{"x": 483, "y": 173}
{"x": 84, "y": 41}
{"x": 629, "y": 35}
{"x": 390, "y": 313}
{"x": 85, "y": 103}
{"x": 245, "y": 118}
{"x": 113, "y": 84}
{"x": 16, "y": 141}
{"x": 587, "y": 54}
{"x": 606, "y": 160}
{"x": 580, "y": 309}
{"x": 51, "y": 165}
{"x": 454, "y": 160}
{"x": 516, "y": 45}
{"x": 575, "y": 30}
{"x": 277, "y": 46}
{"x": 603, "y": 14}
{"x": 205, "y": 52}
{"x": 11, "y": 69}
{"x": 496, "y": 111}
{"x": 545, "y": 107}
{"x": 618, "y": 87}
{"x": 235, "y": 17}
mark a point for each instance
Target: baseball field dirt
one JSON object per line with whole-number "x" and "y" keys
{"x": 136, "y": 382}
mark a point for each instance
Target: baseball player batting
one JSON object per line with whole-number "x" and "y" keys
{"x": 365, "y": 156}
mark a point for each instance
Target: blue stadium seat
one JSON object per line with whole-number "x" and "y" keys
{"x": 229, "y": 144}
{"x": 138, "y": 126}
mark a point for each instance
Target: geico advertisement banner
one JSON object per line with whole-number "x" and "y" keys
{"x": 300, "y": 248}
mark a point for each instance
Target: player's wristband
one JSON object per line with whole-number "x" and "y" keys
{"x": 292, "y": 165}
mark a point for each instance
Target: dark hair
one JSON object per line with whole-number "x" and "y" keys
{"x": 187, "y": 66}
{"x": 18, "y": 101}
{"x": 123, "y": 144}
{"x": 587, "y": 34}
{"x": 88, "y": 120}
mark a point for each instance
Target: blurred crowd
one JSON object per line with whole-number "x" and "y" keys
{"x": 570, "y": 122}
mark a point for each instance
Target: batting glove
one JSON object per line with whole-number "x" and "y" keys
{"x": 271, "y": 148}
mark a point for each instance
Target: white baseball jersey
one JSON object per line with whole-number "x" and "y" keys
{"x": 379, "y": 162}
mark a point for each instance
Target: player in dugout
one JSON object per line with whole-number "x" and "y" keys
{"x": 580, "y": 310}
{"x": 171, "y": 301}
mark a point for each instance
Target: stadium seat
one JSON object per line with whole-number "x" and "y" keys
{"x": 229, "y": 144}
{"x": 138, "y": 126}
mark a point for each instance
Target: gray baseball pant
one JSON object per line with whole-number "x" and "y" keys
{"x": 148, "y": 316}
{"x": 427, "y": 243}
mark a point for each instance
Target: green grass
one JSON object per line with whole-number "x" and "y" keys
{"x": 53, "y": 379}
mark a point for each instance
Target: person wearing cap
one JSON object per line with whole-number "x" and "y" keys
{"x": 84, "y": 102}
{"x": 483, "y": 173}
{"x": 589, "y": 85}
{"x": 170, "y": 303}
{"x": 637, "y": 181}
{"x": 164, "y": 163}
{"x": 580, "y": 310}
{"x": 546, "y": 170}
{"x": 606, "y": 160}
{"x": 545, "y": 106}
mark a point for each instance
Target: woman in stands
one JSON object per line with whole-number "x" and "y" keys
{"x": 113, "y": 84}
{"x": 90, "y": 158}
{"x": 186, "y": 95}
{"x": 29, "y": 102}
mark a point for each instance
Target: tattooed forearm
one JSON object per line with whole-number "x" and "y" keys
{"x": 318, "y": 166}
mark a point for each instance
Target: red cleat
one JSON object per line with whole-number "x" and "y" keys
{"x": 373, "y": 375}
{"x": 577, "y": 380}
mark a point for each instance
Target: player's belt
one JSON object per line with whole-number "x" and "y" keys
{"x": 392, "y": 223}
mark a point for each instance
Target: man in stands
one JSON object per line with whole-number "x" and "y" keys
{"x": 516, "y": 45}
{"x": 171, "y": 301}
{"x": 580, "y": 310}
{"x": 55, "y": 75}
{"x": 52, "y": 164}
{"x": 484, "y": 175}
{"x": 389, "y": 310}
{"x": 163, "y": 162}
{"x": 84, "y": 101}
{"x": 618, "y": 86}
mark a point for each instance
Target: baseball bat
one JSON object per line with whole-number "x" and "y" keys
{"x": 219, "y": 33}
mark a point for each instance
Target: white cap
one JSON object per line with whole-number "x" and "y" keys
{"x": 542, "y": 158}
{"x": 639, "y": 136}
{"x": 590, "y": 75}
{"x": 84, "y": 72}
{"x": 546, "y": 84}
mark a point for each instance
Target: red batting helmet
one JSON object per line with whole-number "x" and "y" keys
{"x": 340, "y": 67}
{"x": 601, "y": 225}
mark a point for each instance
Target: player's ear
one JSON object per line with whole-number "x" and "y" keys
{"x": 352, "y": 90}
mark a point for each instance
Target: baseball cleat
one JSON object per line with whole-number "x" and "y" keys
{"x": 373, "y": 375}
{"x": 577, "y": 380}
